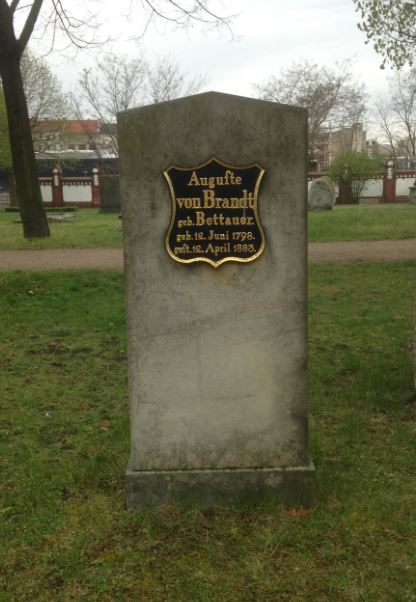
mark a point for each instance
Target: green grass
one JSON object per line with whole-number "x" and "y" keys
{"x": 64, "y": 441}
{"x": 363, "y": 222}
{"x": 91, "y": 228}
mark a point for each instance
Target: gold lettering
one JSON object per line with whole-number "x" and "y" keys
{"x": 183, "y": 250}
{"x": 209, "y": 198}
{"x": 200, "y": 218}
{"x": 228, "y": 178}
{"x": 210, "y": 201}
{"x": 219, "y": 219}
{"x": 194, "y": 180}
{"x": 212, "y": 235}
{"x": 217, "y": 249}
{"x": 183, "y": 237}
{"x": 189, "y": 203}
{"x": 185, "y": 222}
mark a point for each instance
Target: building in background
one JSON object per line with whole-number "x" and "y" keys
{"x": 76, "y": 135}
{"x": 332, "y": 143}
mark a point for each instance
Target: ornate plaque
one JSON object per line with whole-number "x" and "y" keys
{"x": 214, "y": 213}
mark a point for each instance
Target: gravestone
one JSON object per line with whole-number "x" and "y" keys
{"x": 4, "y": 198}
{"x": 213, "y": 190}
{"x": 60, "y": 217}
{"x": 412, "y": 194}
{"x": 110, "y": 193}
{"x": 322, "y": 194}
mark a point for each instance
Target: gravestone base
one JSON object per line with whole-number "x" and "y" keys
{"x": 291, "y": 486}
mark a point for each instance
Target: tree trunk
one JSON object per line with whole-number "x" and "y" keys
{"x": 12, "y": 190}
{"x": 32, "y": 211}
{"x": 414, "y": 355}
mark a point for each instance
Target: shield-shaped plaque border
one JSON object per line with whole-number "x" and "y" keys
{"x": 216, "y": 264}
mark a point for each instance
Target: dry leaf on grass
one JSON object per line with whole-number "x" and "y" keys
{"x": 297, "y": 512}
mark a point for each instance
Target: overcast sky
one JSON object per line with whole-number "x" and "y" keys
{"x": 268, "y": 35}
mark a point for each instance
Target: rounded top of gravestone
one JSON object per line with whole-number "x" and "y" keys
{"x": 322, "y": 194}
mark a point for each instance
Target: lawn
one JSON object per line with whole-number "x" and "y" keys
{"x": 64, "y": 531}
{"x": 91, "y": 228}
{"x": 363, "y": 222}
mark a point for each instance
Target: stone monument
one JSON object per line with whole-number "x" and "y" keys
{"x": 110, "y": 193}
{"x": 322, "y": 194}
{"x": 213, "y": 190}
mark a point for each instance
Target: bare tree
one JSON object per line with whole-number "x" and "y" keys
{"x": 18, "y": 20}
{"x": 332, "y": 96}
{"x": 385, "y": 121}
{"x": 44, "y": 95}
{"x": 348, "y": 117}
{"x": 24, "y": 164}
{"x": 403, "y": 105}
{"x": 396, "y": 113}
{"x": 117, "y": 84}
{"x": 165, "y": 81}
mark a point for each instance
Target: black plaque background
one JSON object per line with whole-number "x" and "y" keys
{"x": 179, "y": 178}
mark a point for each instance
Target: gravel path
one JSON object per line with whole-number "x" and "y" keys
{"x": 61, "y": 259}
{"x": 362, "y": 250}
{"x": 77, "y": 259}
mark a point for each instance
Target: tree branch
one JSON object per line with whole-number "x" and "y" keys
{"x": 30, "y": 24}
{"x": 14, "y": 5}
{"x": 181, "y": 15}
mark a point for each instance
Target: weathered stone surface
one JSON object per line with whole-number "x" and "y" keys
{"x": 289, "y": 486}
{"x": 110, "y": 193}
{"x": 217, "y": 357}
{"x": 322, "y": 194}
